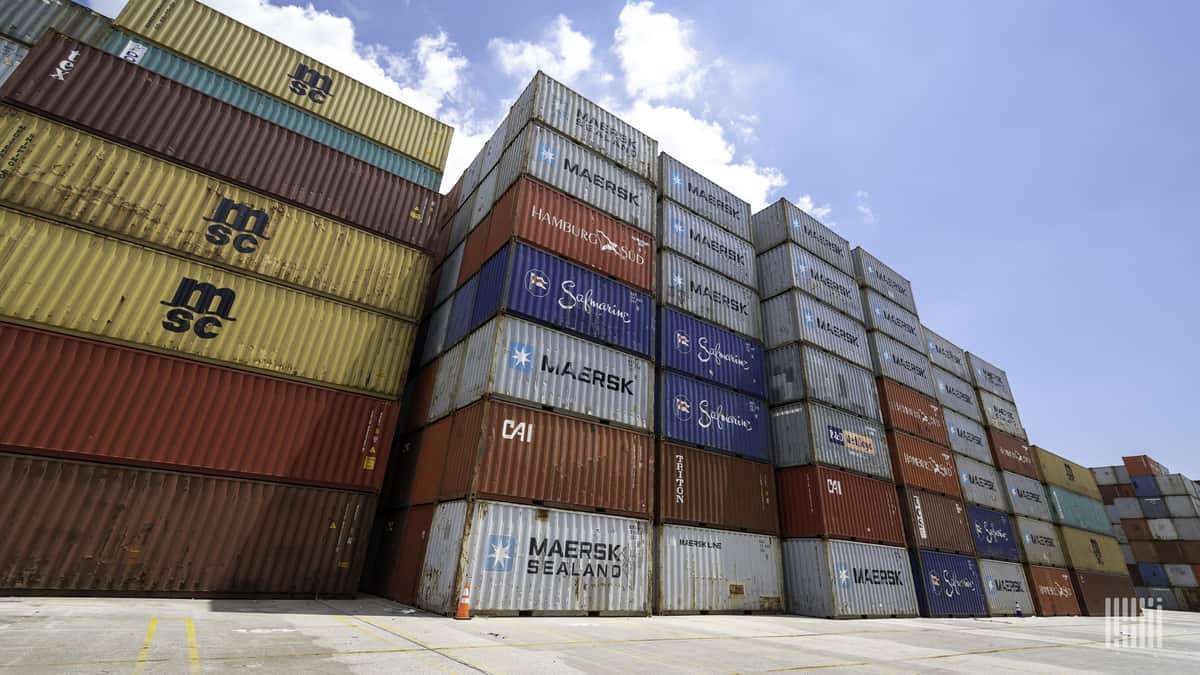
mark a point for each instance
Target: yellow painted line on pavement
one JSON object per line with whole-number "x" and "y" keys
{"x": 144, "y": 653}
{"x": 193, "y": 651}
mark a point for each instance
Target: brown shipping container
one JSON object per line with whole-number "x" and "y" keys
{"x": 497, "y": 450}
{"x": 474, "y": 253}
{"x": 419, "y": 397}
{"x": 1136, "y": 528}
{"x": 80, "y": 399}
{"x": 1109, "y": 493}
{"x": 1134, "y": 575}
{"x": 709, "y": 489}
{"x": 428, "y": 452}
{"x": 1145, "y": 551}
{"x": 918, "y": 463}
{"x": 1142, "y": 465}
{"x": 935, "y": 522}
{"x": 1191, "y": 552}
{"x": 395, "y": 566}
{"x": 1053, "y": 592}
{"x": 1012, "y": 454}
{"x": 819, "y": 502}
{"x": 103, "y": 529}
{"x": 910, "y": 411}
{"x": 1091, "y": 589}
{"x": 1169, "y": 553}
{"x": 120, "y": 100}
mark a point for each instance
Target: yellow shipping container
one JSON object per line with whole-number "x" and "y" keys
{"x": 219, "y": 42}
{"x": 1090, "y": 551}
{"x": 1060, "y": 471}
{"x": 54, "y": 170}
{"x": 79, "y": 282}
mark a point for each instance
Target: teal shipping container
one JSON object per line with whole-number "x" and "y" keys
{"x": 1075, "y": 510}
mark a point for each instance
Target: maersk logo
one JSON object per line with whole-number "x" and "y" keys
{"x": 500, "y": 553}
{"x": 980, "y": 481}
{"x": 237, "y": 224}
{"x": 1027, "y": 495}
{"x": 818, "y": 278}
{"x": 991, "y": 377}
{"x": 714, "y": 201}
{"x": 955, "y": 392}
{"x": 677, "y": 281}
{"x": 887, "y": 280}
{"x": 718, "y": 356}
{"x": 520, "y": 357}
{"x": 310, "y": 83}
{"x": 720, "y": 248}
{"x": 610, "y": 134}
{"x": 896, "y": 320}
{"x": 683, "y": 408}
{"x": 193, "y": 298}
{"x": 904, "y": 363}
{"x": 1040, "y": 540}
{"x": 935, "y": 348}
{"x": 836, "y": 331}
{"x": 585, "y": 374}
{"x": 966, "y": 435}
{"x": 547, "y": 154}
{"x": 718, "y": 298}
{"x": 867, "y": 575}
{"x": 598, "y": 180}
{"x": 1005, "y": 585}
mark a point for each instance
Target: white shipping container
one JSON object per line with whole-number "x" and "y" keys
{"x": 1007, "y": 588}
{"x": 1181, "y": 576}
{"x": 788, "y": 266}
{"x": 956, "y": 394}
{"x": 842, "y": 579}
{"x": 795, "y": 316}
{"x": 1027, "y": 496}
{"x": 967, "y": 437}
{"x": 981, "y": 484}
{"x": 945, "y": 354}
{"x": 807, "y": 433}
{"x": 1119, "y": 533}
{"x": 1001, "y": 414}
{"x": 1040, "y": 542}
{"x": 784, "y": 221}
{"x": 1128, "y": 507}
{"x": 989, "y": 377}
{"x": 448, "y": 275}
{"x": 1163, "y": 529}
{"x": 696, "y": 238}
{"x": 1105, "y": 475}
{"x": 708, "y": 295}
{"x": 1188, "y": 528}
{"x": 435, "y": 332}
{"x": 1113, "y": 516}
{"x": 896, "y": 361}
{"x": 705, "y": 570}
{"x": 1177, "y": 484}
{"x": 1183, "y": 506}
{"x": 436, "y": 590}
{"x": 682, "y": 184}
{"x": 11, "y": 55}
{"x": 799, "y": 371}
{"x": 445, "y": 383}
{"x": 874, "y": 274}
{"x": 887, "y": 317}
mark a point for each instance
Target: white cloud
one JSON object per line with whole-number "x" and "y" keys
{"x": 656, "y": 54}
{"x": 565, "y": 53}
{"x": 863, "y": 206}
{"x": 809, "y": 206}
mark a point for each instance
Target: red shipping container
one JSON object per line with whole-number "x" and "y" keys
{"x": 1052, "y": 590}
{"x": 1108, "y": 493}
{"x": 111, "y": 97}
{"x": 1136, "y": 528}
{"x": 816, "y": 501}
{"x": 1168, "y": 552}
{"x": 394, "y": 568}
{"x": 710, "y": 489}
{"x": 498, "y": 450}
{"x": 419, "y": 461}
{"x": 1012, "y": 454}
{"x": 474, "y": 252}
{"x": 68, "y": 397}
{"x": 419, "y": 396}
{"x": 910, "y": 411}
{"x": 1093, "y": 588}
{"x": 1142, "y": 465}
{"x": 1191, "y": 552}
{"x": 1144, "y": 551}
{"x": 935, "y": 522}
{"x": 918, "y": 463}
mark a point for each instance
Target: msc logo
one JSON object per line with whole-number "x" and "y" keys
{"x": 499, "y": 553}
{"x": 683, "y": 408}
{"x": 196, "y": 297}
{"x": 239, "y": 224}
{"x": 537, "y": 283}
{"x": 310, "y": 83}
{"x": 520, "y": 356}
{"x": 683, "y": 343}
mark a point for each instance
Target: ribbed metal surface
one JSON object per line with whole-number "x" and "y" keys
{"x": 1077, "y": 510}
{"x": 784, "y": 221}
{"x": 683, "y": 185}
{"x": 935, "y": 522}
{"x": 700, "y": 240}
{"x": 918, "y": 463}
{"x": 1001, "y": 414}
{"x": 842, "y": 579}
{"x": 435, "y": 329}
{"x": 1177, "y": 484}
{"x": 100, "y": 529}
{"x": 1162, "y": 528}
{"x": 1110, "y": 475}
{"x": 436, "y": 590}
{"x": 446, "y": 383}
{"x": 1026, "y": 496}
{"x": 1094, "y": 588}
{"x": 1091, "y": 551}
{"x": 11, "y": 56}
{"x": 1189, "y": 530}
{"x": 800, "y": 371}
{"x": 416, "y": 467}
{"x": 989, "y": 377}
{"x": 797, "y": 317}
{"x": 882, "y": 279}
{"x": 63, "y": 278}
{"x": 28, "y": 20}
{"x": 1181, "y": 576}
{"x": 816, "y": 501}
{"x": 993, "y": 533}
{"x": 808, "y": 433}
{"x": 788, "y": 266}
{"x": 911, "y": 412}
{"x": 1180, "y": 506}
{"x": 967, "y": 437}
{"x": 54, "y": 170}
{"x": 1136, "y": 528}
{"x": 887, "y": 317}
{"x": 1012, "y": 454}
{"x": 948, "y": 585}
{"x": 708, "y": 295}
{"x": 945, "y": 354}
{"x": 479, "y": 349}
{"x": 86, "y": 400}
{"x": 1154, "y": 574}
{"x": 704, "y": 570}
{"x": 981, "y": 484}
{"x": 1143, "y": 486}
{"x": 956, "y": 394}
{"x": 711, "y": 489}
{"x": 1040, "y": 542}
{"x": 1142, "y": 465}
{"x": 1006, "y": 587}
{"x": 704, "y": 350}
{"x": 462, "y": 306}
{"x": 704, "y": 415}
{"x": 393, "y": 567}
{"x": 1057, "y": 470}
{"x": 1053, "y": 592}
{"x": 204, "y": 34}
{"x": 892, "y": 359}
{"x": 447, "y": 276}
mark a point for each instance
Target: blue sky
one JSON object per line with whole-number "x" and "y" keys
{"x": 1029, "y": 165}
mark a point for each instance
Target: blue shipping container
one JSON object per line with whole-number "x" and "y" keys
{"x": 491, "y": 288}
{"x": 1153, "y": 574}
{"x": 993, "y": 533}
{"x": 1155, "y": 507}
{"x": 1145, "y": 486}
{"x": 701, "y": 349}
{"x": 460, "y": 313}
{"x": 947, "y": 584}
{"x": 698, "y": 413}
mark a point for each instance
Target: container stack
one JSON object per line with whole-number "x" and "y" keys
{"x": 206, "y": 317}
{"x": 718, "y": 545}
{"x": 844, "y": 541}
{"x": 527, "y": 476}
{"x": 1156, "y": 517}
{"x": 24, "y": 22}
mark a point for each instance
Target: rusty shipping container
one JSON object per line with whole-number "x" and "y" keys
{"x": 394, "y": 569}
{"x": 935, "y": 522}
{"x": 808, "y": 433}
{"x": 78, "y": 399}
{"x": 710, "y": 489}
{"x": 910, "y": 411}
{"x": 417, "y": 465}
{"x": 820, "y": 502}
{"x": 506, "y": 452}
{"x": 1053, "y": 592}
{"x": 82, "y": 527}
{"x": 1137, "y": 528}
{"x": 1143, "y": 465}
{"x": 1012, "y": 454}
{"x": 1092, "y": 589}
{"x": 920, "y": 464}
{"x": 117, "y": 99}
{"x": 1058, "y": 470}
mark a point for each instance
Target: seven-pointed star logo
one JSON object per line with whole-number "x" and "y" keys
{"x": 796, "y": 223}
{"x": 843, "y": 573}
{"x": 520, "y": 356}
{"x": 677, "y": 281}
{"x": 547, "y": 154}
{"x": 676, "y": 180}
{"x": 499, "y": 554}
{"x": 678, "y": 227}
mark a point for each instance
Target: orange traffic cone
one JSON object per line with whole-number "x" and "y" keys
{"x": 464, "y": 603}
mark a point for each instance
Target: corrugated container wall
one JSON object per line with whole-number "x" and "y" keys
{"x": 684, "y": 185}
{"x": 1111, "y": 475}
{"x": 956, "y": 394}
{"x": 703, "y": 570}
{"x": 702, "y": 241}
{"x": 911, "y": 412}
{"x": 1040, "y": 542}
{"x": 918, "y": 463}
{"x": 1143, "y": 486}
{"x": 1012, "y": 454}
{"x": 886, "y": 316}
{"x": 11, "y": 55}
{"x": 948, "y": 585}
{"x": 808, "y": 433}
{"x": 799, "y": 371}
{"x": 981, "y": 484}
{"x": 784, "y": 221}
{"x": 1001, "y": 414}
{"x": 29, "y": 20}
{"x": 395, "y": 571}
{"x": 708, "y": 295}
{"x": 842, "y": 579}
{"x": 935, "y": 522}
{"x": 1163, "y": 529}
{"x": 1006, "y": 587}
{"x": 445, "y": 386}
{"x": 788, "y": 266}
{"x": 797, "y": 317}
{"x": 993, "y": 534}
{"x": 1058, "y": 470}
{"x": 1053, "y": 592}
{"x": 967, "y": 437}
{"x": 440, "y": 565}
{"x": 989, "y": 377}
{"x": 1026, "y": 496}
{"x": 945, "y": 354}
{"x": 820, "y": 502}
{"x": 882, "y": 279}
{"x": 893, "y": 360}
{"x": 1077, "y": 510}
{"x": 701, "y": 349}
{"x": 1093, "y": 590}
{"x": 1090, "y": 551}
{"x": 713, "y": 490}
{"x": 705, "y": 415}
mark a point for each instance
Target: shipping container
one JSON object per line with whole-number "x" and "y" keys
{"x": 847, "y": 580}
{"x": 418, "y": 396}
{"x": 1091, "y": 551}
{"x": 171, "y": 305}
{"x": 445, "y": 385}
{"x": 945, "y": 354}
{"x": 218, "y": 41}
{"x": 1127, "y": 554}
{"x": 415, "y": 467}
{"x": 911, "y": 412}
{"x": 522, "y": 361}
{"x": 1177, "y": 484}
{"x": 1001, "y": 414}
{"x": 1107, "y": 475}
{"x": 1136, "y": 528}
{"x": 710, "y": 489}
{"x": 1012, "y": 454}
{"x": 1057, "y": 470}
{"x": 68, "y": 175}
{"x": 11, "y": 55}
{"x": 116, "y": 99}
{"x": 447, "y": 277}
{"x": 948, "y": 585}
{"x": 796, "y": 317}
{"x": 28, "y": 20}
{"x": 1006, "y": 587}
{"x": 993, "y": 533}
{"x": 708, "y": 295}
{"x": 1026, "y": 496}
{"x": 395, "y": 570}
{"x": 821, "y": 502}
{"x": 784, "y": 221}
{"x": 967, "y": 437}
{"x": 702, "y": 241}
{"x": 918, "y": 463}
{"x": 873, "y": 274}
{"x": 682, "y": 184}
{"x": 1183, "y": 506}
{"x": 704, "y": 415}
{"x": 1128, "y": 507}
{"x": 788, "y": 266}
{"x": 809, "y": 433}
{"x": 1187, "y": 598}
{"x": 801, "y": 371}
{"x": 1181, "y": 576}
{"x": 1145, "y": 551}
{"x": 1077, "y": 511}
{"x": 1158, "y": 598}
{"x": 1119, "y": 533}
{"x": 935, "y": 522}
{"x": 1162, "y": 529}
{"x": 462, "y": 310}
{"x": 981, "y": 484}
{"x": 1053, "y": 592}
{"x": 1154, "y": 507}
{"x": 1189, "y": 530}
{"x": 1146, "y": 486}
{"x": 1093, "y": 590}
{"x": 887, "y": 317}
{"x": 434, "y": 331}
{"x": 1142, "y": 465}
{"x": 956, "y": 394}
{"x": 135, "y": 531}
{"x": 510, "y": 453}
{"x": 1108, "y": 493}
{"x": 1153, "y": 574}
{"x": 62, "y": 396}
{"x": 700, "y": 570}
{"x": 989, "y": 378}
{"x": 704, "y": 350}
{"x": 893, "y": 360}
{"x": 533, "y": 559}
